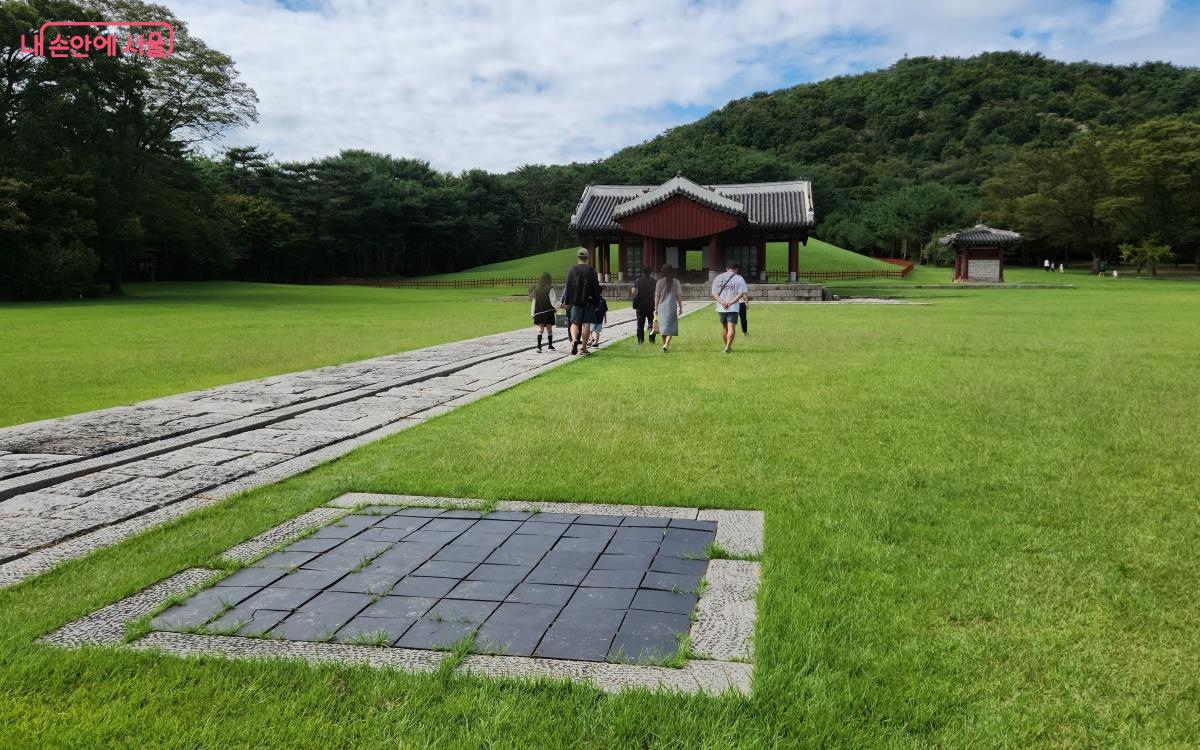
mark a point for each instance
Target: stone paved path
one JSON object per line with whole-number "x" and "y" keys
{"x": 72, "y": 485}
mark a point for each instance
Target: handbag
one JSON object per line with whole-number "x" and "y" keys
{"x": 654, "y": 327}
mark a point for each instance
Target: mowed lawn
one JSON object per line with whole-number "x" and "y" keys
{"x": 981, "y": 532}
{"x": 65, "y": 357}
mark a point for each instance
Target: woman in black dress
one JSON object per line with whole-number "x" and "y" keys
{"x": 545, "y": 302}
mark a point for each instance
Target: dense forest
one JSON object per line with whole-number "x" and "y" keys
{"x": 107, "y": 172}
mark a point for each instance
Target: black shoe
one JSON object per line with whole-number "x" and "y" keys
{"x": 574, "y": 348}
{"x": 551, "y": 348}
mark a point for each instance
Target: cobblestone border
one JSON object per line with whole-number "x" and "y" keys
{"x": 720, "y": 635}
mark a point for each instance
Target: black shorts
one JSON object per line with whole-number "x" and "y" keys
{"x": 581, "y": 314}
{"x": 544, "y": 318}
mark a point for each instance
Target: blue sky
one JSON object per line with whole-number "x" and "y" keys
{"x": 470, "y": 83}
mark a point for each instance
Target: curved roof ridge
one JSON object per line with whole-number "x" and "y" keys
{"x": 680, "y": 185}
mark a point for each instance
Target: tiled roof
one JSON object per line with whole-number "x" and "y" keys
{"x": 981, "y": 234}
{"x": 678, "y": 185}
{"x": 765, "y": 205}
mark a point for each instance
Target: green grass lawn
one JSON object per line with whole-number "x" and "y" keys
{"x": 981, "y": 532}
{"x": 816, "y": 256}
{"x": 66, "y": 357}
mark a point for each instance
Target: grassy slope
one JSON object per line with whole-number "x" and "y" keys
{"x": 816, "y": 256}
{"x": 65, "y": 357}
{"x": 980, "y": 533}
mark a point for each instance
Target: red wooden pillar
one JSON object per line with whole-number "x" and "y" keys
{"x": 762, "y": 258}
{"x": 1000, "y": 260}
{"x": 714, "y": 257}
{"x": 605, "y": 259}
{"x": 793, "y": 258}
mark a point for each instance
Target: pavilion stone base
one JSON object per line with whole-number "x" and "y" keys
{"x": 790, "y": 292}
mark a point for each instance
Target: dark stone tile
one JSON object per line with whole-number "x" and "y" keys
{"x": 335, "y": 532}
{"x": 403, "y": 523}
{"x": 514, "y": 613}
{"x": 400, "y": 607}
{"x": 637, "y": 521}
{"x": 542, "y": 529}
{"x": 278, "y": 597}
{"x": 492, "y": 591}
{"x": 679, "y": 523}
{"x": 521, "y": 557}
{"x": 631, "y": 547}
{"x": 449, "y": 524}
{"x": 648, "y": 637}
{"x": 418, "y": 586}
{"x": 602, "y": 598}
{"x": 668, "y": 564}
{"x": 510, "y": 640}
{"x": 330, "y": 561}
{"x": 492, "y": 526}
{"x": 490, "y": 572}
{"x": 248, "y": 621}
{"x": 367, "y": 582}
{"x": 677, "y": 582}
{"x": 540, "y": 593}
{"x": 580, "y": 531}
{"x": 507, "y": 515}
{"x": 357, "y": 520}
{"x": 538, "y": 542}
{"x": 419, "y": 512}
{"x": 690, "y": 536}
{"x": 463, "y": 553}
{"x": 312, "y": 544}
{"x": 439, "y": 538}
{"x": 599, "y": 520}
{"x": 693, "y": 550}
{"x": 615, "y": 579}
{"x": 395, "y": 568}
{"x": 560, "y": 576}
{"x": 461, "y": 610}
{"x": 590, "y": 618}
{"x": 563, "y": 518}
{"x": 379, "y": 510}
{"x": 336, "y": 603}
{"x": 581, "y": 544}
{"x": 362, "y": 547}
{"x": 475, "y": 539}
{"x": 434, "y": 634}
{"x": 285, "y": 560}
{"x": 201, "y": 607}
{"x": 563, "y": 642}
{"x": 609, "y": 561}
{"x": 664, "y": 601}
{"x": 383, "y": 534}
{"x": 445, "y": 569}
{"x": 420, "y": 551}
{"x": 461, "y": 514}
{"x": 256, "y": 577}
{"x": 373, "y": 630}
{"x": 564, "y": 559}
{"x": 311, "y": 626}
{"x": 639, "y": 534}
{"x": 310, "y": 579}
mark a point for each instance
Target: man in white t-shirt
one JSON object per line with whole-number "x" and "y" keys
{"x": 728, "y": 291}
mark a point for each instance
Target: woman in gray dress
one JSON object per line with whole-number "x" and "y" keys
{"x": 668, "y": 305}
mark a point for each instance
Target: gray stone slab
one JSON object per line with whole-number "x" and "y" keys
{"x": 640, "y": 533}
{"x": 648, "y": 637}
{"x": 435, "y": 634}
{"x": 256, "y": 577}
{"x": 681, "y": 583}
{"x": 373, "y": 630}
{"x": 201, "y": 607}
{"x": 311, "y": 626}
{"x": 664, "y": 601}
{"x": 631, "y": 547}
{"x": 622, "y": 579}
{"x": 422, "y": 586}
{"x": 494, "y": 591}
{"x": 461, "y": 610}
{"x": 551, "y": 574}
{"x": 367, "y": 582}
{"x": 247, "y": 621}
{"x": 285, "y": 560}
{"x": 576, "y": 644}
{"x": 489, "y": 572}
{"x": 609, "y": 561}
{"x": 279, "y": 597}
{"x": 668, "y": 564}
{"x": 540, "y": 593}
{"x": 603, "y": 598}
{"x": 337, "y": 602}
{"x": 400, "y": 607}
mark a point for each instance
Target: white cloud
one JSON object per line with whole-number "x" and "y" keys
{"x": 495, "y": 85}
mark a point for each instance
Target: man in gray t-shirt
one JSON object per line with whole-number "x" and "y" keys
{"x": 728, "y": 291}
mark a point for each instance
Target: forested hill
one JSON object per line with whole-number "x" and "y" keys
{"x": 943, "y": 121}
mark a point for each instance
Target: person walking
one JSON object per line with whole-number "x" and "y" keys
{"x": 668, "y": 305}
{"x": 600, "y": 319}
{"x": 580, "y": 293}
{"x": 728, "y": 290}
{"x": 643, "y": 305}
{"x": 742, "y": 306}
{"x": 545, "y": 302}
{"x": 1046, "y": 265}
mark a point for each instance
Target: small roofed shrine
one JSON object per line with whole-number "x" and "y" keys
{"x": 979, "y": 252}
{"x": 653, "y": 225}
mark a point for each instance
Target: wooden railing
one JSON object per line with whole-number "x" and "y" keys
{"x": 524, "y": 281}
{"x": 829, "y": 275}
{"x": 906, "y": 266}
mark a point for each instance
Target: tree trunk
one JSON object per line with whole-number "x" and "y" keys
{"x": 115, "y": 285}
{"x": 1095, "y": 263}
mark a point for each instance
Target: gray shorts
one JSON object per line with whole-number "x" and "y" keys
{"x": 728, "y": 318}
{"x": 581, "y": 314}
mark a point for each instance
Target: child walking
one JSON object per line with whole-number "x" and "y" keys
{"x": 600, "y": 319}
{"x": 545, "y": 302}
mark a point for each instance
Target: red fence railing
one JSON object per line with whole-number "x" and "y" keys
{"x": 906, "y": 266}
{"x": 832, "y": 275}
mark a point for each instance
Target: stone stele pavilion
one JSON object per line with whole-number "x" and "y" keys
{"x": 657, "y": 224}
{"x": 979, "y": 252}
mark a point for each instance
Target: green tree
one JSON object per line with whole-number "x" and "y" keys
{"x": 1145, "y": 254}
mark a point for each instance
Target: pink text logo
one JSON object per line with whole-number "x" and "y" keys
{"x": 64, "y": 39}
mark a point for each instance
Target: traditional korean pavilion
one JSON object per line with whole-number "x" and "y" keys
{"x": 979, "y": 252}
{"x": 656, "y": 224}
